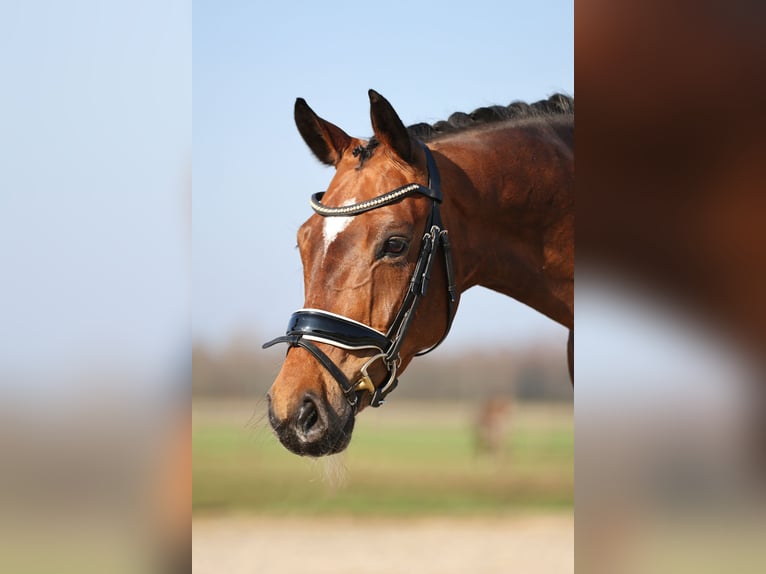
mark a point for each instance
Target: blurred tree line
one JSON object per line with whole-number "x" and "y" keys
{"x": 242, "y": 369}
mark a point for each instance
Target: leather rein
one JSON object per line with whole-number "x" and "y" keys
{"x": 309, "y": 326}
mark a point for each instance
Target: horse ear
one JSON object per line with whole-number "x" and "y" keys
{"x": 326, "y": 141}
{"x": 387, "y": 126}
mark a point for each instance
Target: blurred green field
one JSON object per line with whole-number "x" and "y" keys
{"x": 404, "y": 459}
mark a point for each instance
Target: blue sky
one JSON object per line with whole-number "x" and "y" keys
{"x": 99, "y": 266}
{"x": 105, "y": 107}
{"x": 253, "y": 174}
{"x": 95, "y": 162}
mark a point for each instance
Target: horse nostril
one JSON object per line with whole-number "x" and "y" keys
{"x": 308, "y": 416}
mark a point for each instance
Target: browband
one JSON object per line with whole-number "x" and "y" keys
{"x": 355, "y": 209}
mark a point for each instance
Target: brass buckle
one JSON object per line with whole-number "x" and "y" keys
{"x": 364, "y": 384}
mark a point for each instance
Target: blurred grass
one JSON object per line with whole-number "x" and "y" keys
{"x": 404, "y": 459}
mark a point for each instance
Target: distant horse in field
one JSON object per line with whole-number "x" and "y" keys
{"x": 491, "y": 425}
{"x": 412, "y": 218}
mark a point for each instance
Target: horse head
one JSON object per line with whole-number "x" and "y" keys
{"x": 367, "y": 256}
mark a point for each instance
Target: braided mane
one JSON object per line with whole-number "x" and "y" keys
{"x": 555, "y": 105}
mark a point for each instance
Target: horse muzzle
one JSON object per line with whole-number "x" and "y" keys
{"x": 313, "y": 428}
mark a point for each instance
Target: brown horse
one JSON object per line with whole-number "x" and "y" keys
{"x": 382, "y": 275}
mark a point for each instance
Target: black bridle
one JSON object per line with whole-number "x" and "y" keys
{"x": 309, "y": 326}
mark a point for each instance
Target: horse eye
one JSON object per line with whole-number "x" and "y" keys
{"x": 395, "y": 246}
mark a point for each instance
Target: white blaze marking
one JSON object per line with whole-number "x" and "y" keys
{"x": 333, "y": 226}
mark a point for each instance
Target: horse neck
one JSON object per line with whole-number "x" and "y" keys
{"x": 509, "y": 206}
